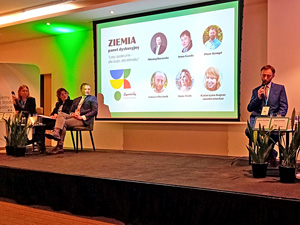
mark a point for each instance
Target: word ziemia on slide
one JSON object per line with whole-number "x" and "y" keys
{"x": 121, "y": 41}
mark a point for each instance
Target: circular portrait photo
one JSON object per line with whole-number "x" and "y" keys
{"x": 158, "y": 43}
{"x": 159, "y": 82}
{"x": 186, "y": 41}
{"x": 212, "y": 37}
{"x": 184, "y": 80}
{"x": 212, "y": 79}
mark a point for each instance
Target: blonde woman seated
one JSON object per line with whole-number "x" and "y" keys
{"x": 24, "y": 103}
{"x": 212, "y": 79}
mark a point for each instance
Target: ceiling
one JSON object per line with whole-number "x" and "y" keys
{"x": 87, "y": 11}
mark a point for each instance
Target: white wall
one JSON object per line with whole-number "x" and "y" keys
{"x": 284, "y": 48}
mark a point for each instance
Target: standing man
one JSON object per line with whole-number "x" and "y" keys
{"x": 83, "y": 110}
{"x": 269, "y": 98}
{"x": 212, "y": 42}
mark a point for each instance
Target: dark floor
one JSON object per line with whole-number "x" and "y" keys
{"x": 212, "y": 172}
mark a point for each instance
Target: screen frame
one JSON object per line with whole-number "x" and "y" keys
{"x": 166, "y": 10}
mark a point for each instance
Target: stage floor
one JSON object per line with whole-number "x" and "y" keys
{"x": 200, "y": 171}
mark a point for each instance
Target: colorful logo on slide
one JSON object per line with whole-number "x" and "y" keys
{"x": 119, "y": 80}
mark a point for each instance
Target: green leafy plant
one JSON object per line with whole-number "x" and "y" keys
{"x": 290, "y": 152}
{"x": 10, "y": 130}
{"x": 16, "y": 133}
{"x": 259, "y": 147}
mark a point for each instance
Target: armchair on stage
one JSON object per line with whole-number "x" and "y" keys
{"x": 78, "y": 133}
{"x": 49, "y": 123}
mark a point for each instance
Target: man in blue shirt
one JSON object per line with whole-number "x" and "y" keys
{"x": 212, "y": 42}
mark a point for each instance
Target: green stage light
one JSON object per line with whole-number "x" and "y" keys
{"x": 73, "y": 49}
{"x": 57, "y": 28}
{"x": 62, "y": 30}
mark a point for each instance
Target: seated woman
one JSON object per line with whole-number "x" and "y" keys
{"x": 24, "y": 103}
{"x": 63, "y": 105}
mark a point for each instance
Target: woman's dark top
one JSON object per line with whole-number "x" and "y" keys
{"x": 66, "y": 106}
{"x": 28, "y": 107}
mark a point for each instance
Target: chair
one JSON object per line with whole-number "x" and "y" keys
{"x": 78, "y": 131}
{"x": 40, "y": 110}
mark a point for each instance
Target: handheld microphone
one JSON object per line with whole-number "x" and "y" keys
{"x": 14, "y": 96}
{"x": 263, "y": 95}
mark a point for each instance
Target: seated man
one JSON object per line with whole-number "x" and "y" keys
{"x": 83, "y": 110}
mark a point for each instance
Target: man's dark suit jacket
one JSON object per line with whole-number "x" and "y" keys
{"x": 277, "y": 102}
{"x": 30, "y": 106}
{"x": 89, "y": 108}
{"x": 66, "y": 107}
{"x": 161, "y": 49}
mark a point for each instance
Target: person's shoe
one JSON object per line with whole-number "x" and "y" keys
{"x": 53, "y": 135}
{"x": 56, "y": 150}
{"x": 29, "y": 142}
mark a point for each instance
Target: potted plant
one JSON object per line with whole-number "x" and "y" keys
{"x": 289, "y": 153}
{"x": 9, "y": 138}
{"x": 259, "y": 149}
{"x": 20, "y": 136}
{"x": 16, "y": 138}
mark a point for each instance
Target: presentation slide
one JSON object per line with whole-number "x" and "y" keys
{"x": 181, "y": 64}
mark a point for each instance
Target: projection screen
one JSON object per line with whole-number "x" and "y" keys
{"x": 175, "y": 64}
